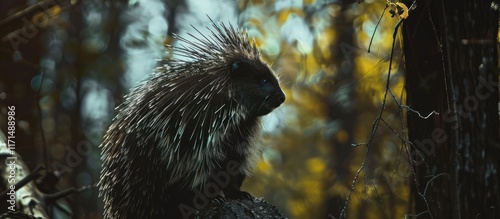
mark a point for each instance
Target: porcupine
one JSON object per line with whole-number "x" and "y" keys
{"x": 196, "y": 117}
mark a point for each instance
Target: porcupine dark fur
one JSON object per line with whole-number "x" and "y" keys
{"x": 196, "y": 114}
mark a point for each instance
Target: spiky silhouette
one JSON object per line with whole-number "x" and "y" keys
{"x": 188, "y": 133}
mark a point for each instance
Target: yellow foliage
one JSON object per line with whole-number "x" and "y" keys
{"x": 305, "y": 176}
{"x": 313, "y": 189}
{"x": 326, "y": 38}
{"x": 264, "y": 167}
{"x": 257, "y": 2}
{"x": 283, "y": 15}
{"x": 41, "y": 19}
{"x": 316, "y": 165}
{"x": 308, "y": 2}
{"x": 399, "y": 9}
{"x": 297, "y": 207}
{"x": 341, "y": 136}
{"x": 56, "y": 10}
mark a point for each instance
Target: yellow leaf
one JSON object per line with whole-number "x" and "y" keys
{"x": 402, "y": 10}
{"x": 56, "y": 10}
{"x": 264, "y": 167}
{"x": 308, "y": 2}
{"x": 316, "y": 165}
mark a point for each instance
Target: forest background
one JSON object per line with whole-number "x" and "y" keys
{"x": 344, "y": 144}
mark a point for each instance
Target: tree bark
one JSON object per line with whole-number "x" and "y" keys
{"x": 451, "y": 63}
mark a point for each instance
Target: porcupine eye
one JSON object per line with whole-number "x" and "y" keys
{"x": 268, "y": 93}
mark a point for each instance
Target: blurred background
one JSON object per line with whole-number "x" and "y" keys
{"x": 65, "y": 65}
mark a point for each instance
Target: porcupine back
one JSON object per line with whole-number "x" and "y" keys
{"x": 184, "y": 123}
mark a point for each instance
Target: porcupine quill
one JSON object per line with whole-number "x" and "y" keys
{"x": 190, "y": 126}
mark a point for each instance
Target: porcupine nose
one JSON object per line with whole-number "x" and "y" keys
{"x": 280, "y": 96}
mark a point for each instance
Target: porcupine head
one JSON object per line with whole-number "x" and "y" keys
{"x": 186, "y": 135}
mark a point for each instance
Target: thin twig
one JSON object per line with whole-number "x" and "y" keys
{"x": 346, "y": 203}
{"x": 433, "y": 178}
{"x": 26, "y": 11}
{"x": 374, "y": 125}
{"x": 394, "y": 131}
{"x": 420, "y": 115}
{"x": 425, "y": 191}
{"x": 376, "y": 26}
{"x": 416, "y": 215}
{"x": 379, "y": 118}
{"x": 19, "y": 30}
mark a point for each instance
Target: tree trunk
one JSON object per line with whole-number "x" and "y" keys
{"x": 451, "y": 62}
{"x": 341, "y": 108}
